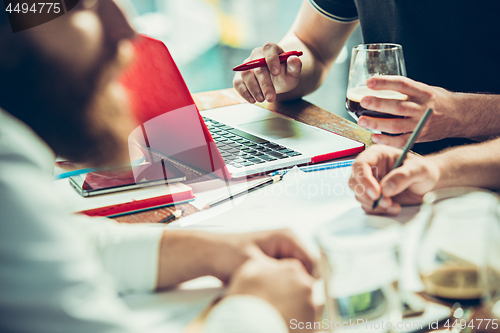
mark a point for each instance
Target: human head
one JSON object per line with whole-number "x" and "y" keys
{"x": 60, "y": 79}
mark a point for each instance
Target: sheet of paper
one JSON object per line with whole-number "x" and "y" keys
{"x": 302, "y": 202}
{"x": 209, "y": 191}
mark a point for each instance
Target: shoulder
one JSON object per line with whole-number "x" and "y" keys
{"x": 338, "y": 10}
{"x": 20, "y": 146}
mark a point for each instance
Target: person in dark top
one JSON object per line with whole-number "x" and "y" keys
{"x": 450, "y": 49}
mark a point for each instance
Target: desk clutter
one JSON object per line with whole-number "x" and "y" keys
{"x": 322, "y": 193}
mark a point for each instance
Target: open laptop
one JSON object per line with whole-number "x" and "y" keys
{"x": 231, "y": 142}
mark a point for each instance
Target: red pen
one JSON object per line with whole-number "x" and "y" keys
{"x": 262, "y": 61}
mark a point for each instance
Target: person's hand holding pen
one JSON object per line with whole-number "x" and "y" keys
{"x": 263, "y": 83}
{"x": 372, "y": 177}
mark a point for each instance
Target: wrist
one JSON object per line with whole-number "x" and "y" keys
{"x": 472, "y": 114}
{"x": 182, "y": 257}
{"x": 452, "y": 113}
{"x": 439, "y": 167}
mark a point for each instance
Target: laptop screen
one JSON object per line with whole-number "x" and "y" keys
{"x": 169, "y": 121}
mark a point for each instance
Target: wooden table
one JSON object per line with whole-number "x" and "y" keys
{"x": 300, "y": 110}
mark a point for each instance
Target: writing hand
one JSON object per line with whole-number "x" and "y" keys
{"x": 372, "y": 176}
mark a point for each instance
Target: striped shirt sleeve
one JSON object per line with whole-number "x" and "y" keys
{"x": 339, "y": 10}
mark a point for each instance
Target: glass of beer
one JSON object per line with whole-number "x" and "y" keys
{"x": 455, "y": 259}
{"x": 370, "y": 60}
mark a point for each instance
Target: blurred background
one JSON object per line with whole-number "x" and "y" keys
{"x": 207, "y": 38}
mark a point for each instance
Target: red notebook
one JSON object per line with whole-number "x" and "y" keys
{"x": 116, "y": 204}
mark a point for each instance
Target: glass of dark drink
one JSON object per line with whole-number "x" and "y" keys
{"x": 458, "y": 260}
{"x": 369, "y": 60}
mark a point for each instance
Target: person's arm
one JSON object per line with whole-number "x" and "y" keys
{"x": 475, "y": 165}
{"x": 264, "y": 295}
{"x": 188, "y": 255}
{"x": 143, "y": 258}
{"x": 320, "y": 38}
{"x": 459, "y": 115}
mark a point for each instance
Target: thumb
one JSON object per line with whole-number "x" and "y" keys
{"x": 400, "y": 179}
{"x": 293, "y": 67}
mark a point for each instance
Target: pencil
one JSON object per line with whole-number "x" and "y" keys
{"x": 408, "y": 147}
{"x": 175, "y": 215}
{"x": 264, "y": 183}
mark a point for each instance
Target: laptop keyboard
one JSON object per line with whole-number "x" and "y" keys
{"x": 242, "y": 149}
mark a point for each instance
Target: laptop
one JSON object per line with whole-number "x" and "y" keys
{"x": 230, "y": 142}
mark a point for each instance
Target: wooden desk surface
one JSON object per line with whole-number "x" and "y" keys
{"x": 300, "y": 110}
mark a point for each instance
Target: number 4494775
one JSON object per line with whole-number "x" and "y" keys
{"x": 473, "y": 324}
{"x": 37, "y": 8}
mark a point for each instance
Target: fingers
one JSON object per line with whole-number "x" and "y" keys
{"x": 296, "y": 267}
{"x": 362, "y": 181}
{"x": 370, "y": 166}
{"x": 242, "y": 89}
{"x": 388, "y": 208}
{"x": 264, "y": 83}
{"x": 402, "y": 178}
{"x": 252, "y": 84}
{"x": 293, "y": 67}
{"x": 389, "y": 125}
{"x": 286, "y": 244}
{"x": 392, "y": 106}
{"x": 394, "y": 141}
{"x": 256, "y": 84}
{"x": 385, "y": 204}
{"x": 271, "y": 54}
{"x": 404, "y": 85}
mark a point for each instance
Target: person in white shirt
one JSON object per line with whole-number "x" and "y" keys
{"x": 63, "y": 273}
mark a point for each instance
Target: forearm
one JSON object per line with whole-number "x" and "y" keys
{"x": 314, "y": 69}
{"x": 183, "y": 256}
{"x": 475, "y": 165}
{"x": 480, "y": 115}
{"x": 321, "y": 39}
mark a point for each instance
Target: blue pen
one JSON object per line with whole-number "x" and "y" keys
{"x": 317, "y": 167}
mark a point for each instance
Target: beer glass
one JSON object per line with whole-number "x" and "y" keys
{"x": 459, "y": 256}
{"x": 454, "y": 252}
{"x": 360, "y": 269}
{"x": 369, "y": 60}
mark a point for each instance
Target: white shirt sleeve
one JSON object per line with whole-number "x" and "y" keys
{"x": 244, "y": 314}
{"x": 51, "y": 277}
{"x": 60, "y": 273}
{"x": 129, "y": 253}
